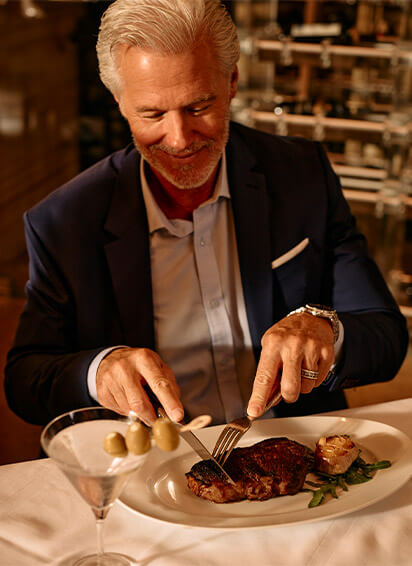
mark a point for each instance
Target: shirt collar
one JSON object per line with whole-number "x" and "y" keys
{"x": 155, "y": 216}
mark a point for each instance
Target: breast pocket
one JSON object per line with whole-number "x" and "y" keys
{"x": 295, "y": 278}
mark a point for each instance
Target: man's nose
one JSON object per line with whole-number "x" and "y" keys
{"x": 178, "y": 131}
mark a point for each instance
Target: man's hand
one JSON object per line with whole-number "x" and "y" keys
{"x": 121, "y": 378}
{"x": 300, "y": 341}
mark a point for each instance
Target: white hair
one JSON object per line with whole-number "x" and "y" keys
{"x": 166, "y": 27}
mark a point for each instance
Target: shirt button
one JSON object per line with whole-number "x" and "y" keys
{"x": 215, "y": 303}
{"x": 202, "y": 242}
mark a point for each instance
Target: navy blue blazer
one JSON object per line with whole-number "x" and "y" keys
{"x": 90, "y": 284}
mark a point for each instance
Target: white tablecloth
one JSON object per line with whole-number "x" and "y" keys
{"x": 44, "y": 521}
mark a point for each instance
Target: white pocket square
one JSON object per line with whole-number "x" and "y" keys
{"x": 287, "y": 256}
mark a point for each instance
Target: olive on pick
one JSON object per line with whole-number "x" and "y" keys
{"x": 115, "y": 445}
{"x": 138, "y": 438}
{"x": 165, "y": 434}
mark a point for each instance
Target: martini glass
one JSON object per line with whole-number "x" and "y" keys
{"x": 74, "y": 441}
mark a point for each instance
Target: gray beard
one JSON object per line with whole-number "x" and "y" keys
{"x": 192, "y": 178}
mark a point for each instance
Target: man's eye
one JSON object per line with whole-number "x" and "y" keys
{"x": 198, "y": 109}
{"x": 153, "y": 115}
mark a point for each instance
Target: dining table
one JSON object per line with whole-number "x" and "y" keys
{"x": 43, "y": 521}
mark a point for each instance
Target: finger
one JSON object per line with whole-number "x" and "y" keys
{"x": 125, "y": 391}
{"x": 173, "y": 384}
{"x": 323, "y": 366}
{"x": 162, "y": 382}
{"x": 139, "y": 402}
{"x": 275, "y": 390}
{"x": 107, "y": 400}
{"x": 267, "y": 376}
{"x": 111, "y": 375}
{"x": 120, "y": 386}
{"x": 291, "y": 378}
{"x": 325, "y": 361}
{"x": 310, "y": 362}
{"x": 109, "y": 394}
{"x": 307, "y": 385}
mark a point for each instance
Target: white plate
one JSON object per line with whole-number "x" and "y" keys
{"x": 158, "y": 489}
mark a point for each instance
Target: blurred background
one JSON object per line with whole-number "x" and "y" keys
{"x": 339, "y": 72}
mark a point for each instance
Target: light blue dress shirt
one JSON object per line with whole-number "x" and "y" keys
{"x": 201, "y": 327}
{"x": 200, "y": 320}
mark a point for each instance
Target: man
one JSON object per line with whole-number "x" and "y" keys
{"x": 177, "y": 265}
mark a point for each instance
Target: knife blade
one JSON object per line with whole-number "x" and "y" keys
{"x": 187, "y": 435}
{"x": 202, "y": 451}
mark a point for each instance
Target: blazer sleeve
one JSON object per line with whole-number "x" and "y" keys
{"x": 376, "y": 335}
{"x": 45, "y": 375}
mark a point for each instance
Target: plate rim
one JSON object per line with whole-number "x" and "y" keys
{"x": 405, "y": 456}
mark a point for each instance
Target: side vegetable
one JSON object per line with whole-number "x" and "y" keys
{"x": 359, "y": 472}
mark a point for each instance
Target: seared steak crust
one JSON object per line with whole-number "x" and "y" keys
{"x": 272, "y": 467}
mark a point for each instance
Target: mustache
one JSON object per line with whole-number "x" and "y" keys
{"x": 192, "y": 148}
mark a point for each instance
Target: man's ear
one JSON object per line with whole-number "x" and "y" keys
{"x": 117, "y": 99}
{"x": 233, "y": 82}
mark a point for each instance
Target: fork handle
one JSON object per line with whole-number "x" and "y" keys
{"x": 272, "y": 401}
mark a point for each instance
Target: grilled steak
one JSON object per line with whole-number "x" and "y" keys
{"x": 272, "y": 467}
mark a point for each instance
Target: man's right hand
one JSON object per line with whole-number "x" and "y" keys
{"x": 122, "y": 376}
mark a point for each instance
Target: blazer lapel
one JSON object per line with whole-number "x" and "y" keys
{"x": 128, "y": 256}
{"x": 251, "y": 209}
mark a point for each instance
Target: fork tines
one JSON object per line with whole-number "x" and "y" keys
{"x": 227, "y": 440}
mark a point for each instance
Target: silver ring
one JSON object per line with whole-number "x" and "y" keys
{"x": 309, "y": 374}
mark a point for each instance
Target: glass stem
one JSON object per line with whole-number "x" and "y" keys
{"x": 99, "y": 531}
{"x": 100, "y": 514}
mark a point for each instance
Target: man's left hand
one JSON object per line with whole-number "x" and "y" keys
{"x": 297, "y": 342}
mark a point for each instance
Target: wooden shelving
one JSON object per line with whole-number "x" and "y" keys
{"x": 332, "y": 123}
{"x": 349, "y": 97}
{"x": 384, "y": 51}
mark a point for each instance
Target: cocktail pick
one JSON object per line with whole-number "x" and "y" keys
{"x": 195, "y": 424}
{"x": 198, "y": 422}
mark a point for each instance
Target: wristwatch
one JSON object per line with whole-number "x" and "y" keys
{"x": 322, "y": 311}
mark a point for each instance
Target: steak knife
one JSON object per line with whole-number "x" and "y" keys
{"x": 202, "y": 451}
{"x": 196, "y": 445}
{"x": 188, "y": 436}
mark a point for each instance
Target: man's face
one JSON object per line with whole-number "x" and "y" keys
{"x": 177, "y": 107}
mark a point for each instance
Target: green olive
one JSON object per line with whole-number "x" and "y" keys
{"x": 115, "y": 444}
{"x": 138, "y": 438}
{"x": 165, "y": 434}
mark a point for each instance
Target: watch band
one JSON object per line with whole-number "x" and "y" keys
{"x": 321, "y": 311}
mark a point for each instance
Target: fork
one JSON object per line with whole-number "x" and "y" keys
{"x": 234, "y": 431}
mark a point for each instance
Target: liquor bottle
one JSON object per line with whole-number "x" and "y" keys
{"x": 334, "y": 23}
